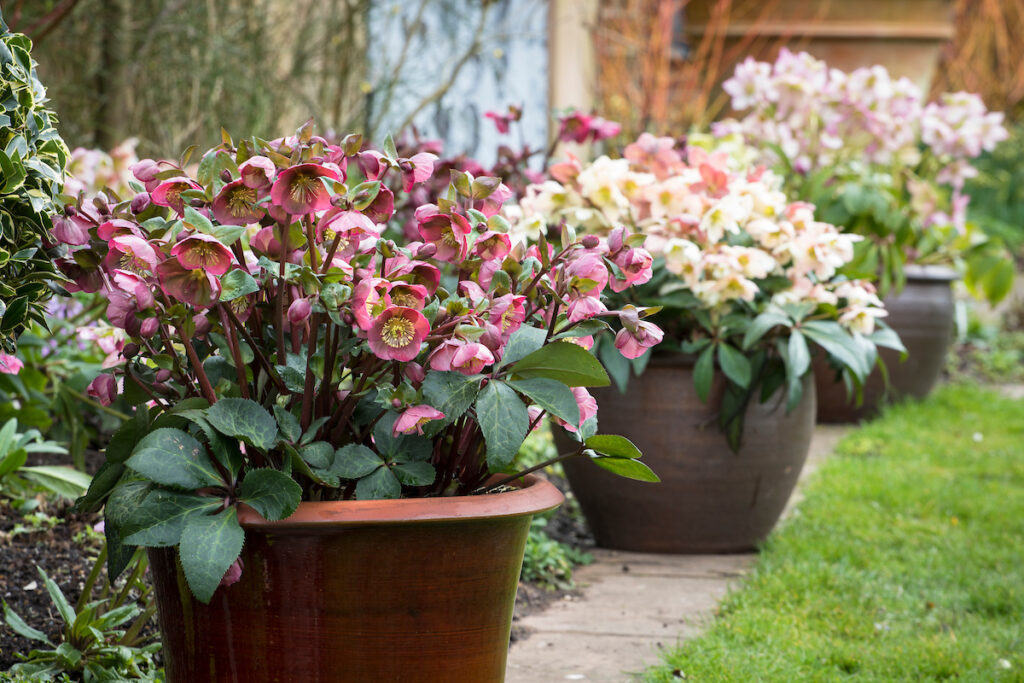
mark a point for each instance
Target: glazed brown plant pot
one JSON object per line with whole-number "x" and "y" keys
{"x": 922, "y": 315}
{"x": 397, "y": 590}
{"x": 710, "y": 499}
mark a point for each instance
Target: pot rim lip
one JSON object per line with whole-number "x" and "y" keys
{"x": 930, "y": 273}
{"x": 533, "y": 495}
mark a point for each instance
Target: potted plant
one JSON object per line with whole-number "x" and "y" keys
{"x": 322, "y": 458}
{"x": 31, "y": 173}
{"x": 743, "y": 284}
{"x": 881, "y": 162}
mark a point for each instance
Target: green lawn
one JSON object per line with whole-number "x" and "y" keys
{"x": 905, "y": 561}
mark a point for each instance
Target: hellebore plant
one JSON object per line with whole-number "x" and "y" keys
{"x": 877, "y": 160}
{"x": 746, "y": 279}
{"x": 279, "y": 349}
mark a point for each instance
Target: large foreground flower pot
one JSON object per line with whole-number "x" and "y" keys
{"x": 710, "y": 500}
{"x": 922, "y": 315}
{"x": 375, "y": 591}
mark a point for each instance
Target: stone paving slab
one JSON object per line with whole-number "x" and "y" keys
{"x": 632, "y": 605}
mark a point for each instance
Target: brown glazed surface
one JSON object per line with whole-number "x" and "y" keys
{"x": 358, "y": 595}
{"x": 710, "y": 500}
{"x": 922, "y": 315}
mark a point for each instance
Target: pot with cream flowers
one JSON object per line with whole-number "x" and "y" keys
{"x": 746, "y": 284}
{"x": 882, "y": 162}
{"x": 322, "y": 458}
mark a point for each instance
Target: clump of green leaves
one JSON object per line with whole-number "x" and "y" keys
{"x": 32, "y": 162}
{"x": 548, "y": 562}
{"x": 102, "y": 639}
{"x": 19, "y": 482}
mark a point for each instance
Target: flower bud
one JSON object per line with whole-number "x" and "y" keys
{"x": 100, "y": 202}
{"x": 149, "y": 327}
{"x": 396, "y": 403}
{"x": 341, "y": 201}
{"x": 427, "y": 250}
{"x": 414, "y": 372}
{"x": 103, "y": 389}
{"x": 163, "y": 375}
{"x": 130, "y": 350}
{"x": 140, "y": 202}
{"x": 202, "y": 324}
{"x": 299, "y": 311}
{"x": 70, "y": 210}
{"x": 591, "y": 242}
{"x": 225, "y": 175}
{"x": 615, "y": 240}
{"x": 145, "y": 170}
{"x": 197, "y": 203}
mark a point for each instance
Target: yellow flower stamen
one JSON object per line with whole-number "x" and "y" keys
{"x": 304, "y": 188}
{"x": 240, "y": 201}
{"x": 398, "y": 332}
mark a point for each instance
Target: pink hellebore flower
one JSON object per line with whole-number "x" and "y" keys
{"x": 584, "y": 308}
{"x": 492, "y": 245}
{"x": 382, "y": 207}
{"x": 416, "y": 169}
{"x": 103, "y": 389}
{"x": 508, "y": 313}
{"x": 635, "y": 265}
{"x": 448, "y": 232}
{"x": 199, "y": 251}
{"x": 298, "y": 190}
{"x": 168, "y": 193}
{"x": 369, "y": 299}
{"x": 116, "y": 226}
{"x": 234, "y": 573}
{"x": 587, "y": 405}
{"x": 574, "y": 127}
{"x": 131, "y": 253}
{"x": 235, "y": 204}
{"x": 412, "y": 419}
{"x": 491, "y": 204}
{"x": 299, "y": 310}
{"x": 145, "y": 171}
{"x": 469, "y": 358}
{"x": 410, "y": 296}
{"x": 589, "y": 275}
{"x": 566, "y": 172}
{"x": 257, "y": 172}
{"x": 634, "y": 343}
{"x": 71, "y": 230}
{"x": 197, "y": 287}
{"x": 601, "y": 129}
{"x": 501, "y": 121}
{"x": 397, "y": 333}
{"x": 10, "y": 365}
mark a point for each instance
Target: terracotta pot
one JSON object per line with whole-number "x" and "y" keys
{"x": 906, "y": 36}
{"x": 710, "y": 500}
{"x": 922, "y": 315}
{"x": 397, "y": 590}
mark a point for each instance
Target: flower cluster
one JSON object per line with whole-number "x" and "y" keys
{"x": 821, "y": 118}
{"x": 725, "y": 231}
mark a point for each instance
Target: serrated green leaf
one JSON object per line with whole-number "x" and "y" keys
{"x": 450, "y": 392}
{"x": 173, "y": 458}
{"x": 209, "y": 545}
{"x": 522, "y": 343}
{"x": 288, "y": 424}
{"x": 704, "y": 373}
{"x": 318, "y": 454}
{"x": 354, "y": 461}
{"x": 504, "y": 421}
{"x": 552, "y": 396}
{"x": 378, "y": 485}
{"x": 414, "y": 473}
{"x": 271, "y": 493}
{"x": 236, "y": 283}
{"x": 565, "y": 362}
{"x": 613, "y": 445}
{"x": 160, "y": 517}
{"x": 244, "y": 419}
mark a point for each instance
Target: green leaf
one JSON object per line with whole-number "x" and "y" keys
{"x": 102, "y": 484}
{"x": 271, "y": 493}
{"x": 734, "y": 364}
{"x": 64, "y": 608}
{"x": 612, "y": 445}
{"x": 354, "y": 461}
{"x": 173, "y": 458}
{"x": 522, "y": 343}
{"x": 450, "y": 392}
{"x": 552, "y": 396}
{"x": 617, "y": 365}
{"x": 799, "y": 354}
{"x": 760, "y": 325}
{"x": 128, "y": 435}
{"x": 504, "y": 422}
{"x": 10, "y": 428}
{"x": 704, "y": 373}
{"x": 318, "y": 454}
{"x": 379, "y": 484}
{"x": 160, "y": 518}
{"x": 625, "y": 467}
{"x": 415, "y": 473}
{"x": 197, "y": 220}
{"x": 288, "y": 424}
{"x": 585, "y": 328}
{"x": 244, "y": 419}
{"x": 886, "y": 337}
{"x": 839, "y": 344}
{"x": 236, "y": 283}
{"x": 19, "y": 626}
{"x": 565, "y": 362}
{"x": 209, "y": 545}
{"x": 64, "y": 481}
{"x": 399, "y": 447}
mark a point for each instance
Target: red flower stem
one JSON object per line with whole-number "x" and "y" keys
{"x": 314, "y": 254}
{"x": 236, "y": 354}
{"x": 307, "y": 389}
{"x": 530, "y": 470}
{"x": 204, "y": 382}
{"x": 330, "y": 253}
{"x": 238, "y": 325}
{"x": 279, "y": 304}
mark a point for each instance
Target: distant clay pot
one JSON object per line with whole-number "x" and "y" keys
{"x": 710, "y": 500}
{"x": 382, "y": 590}
{"x": 922, "y": 315}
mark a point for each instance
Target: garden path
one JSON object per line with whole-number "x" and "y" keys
{"x": 632, "y": 604}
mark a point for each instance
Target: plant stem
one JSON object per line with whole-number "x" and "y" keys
{"x": 278, "y": 382}
{"x": 530, "y": 470}
{"x": 95, "y": 404}
{"x": 204, "y": 382}
{"x": 236, "y": 354}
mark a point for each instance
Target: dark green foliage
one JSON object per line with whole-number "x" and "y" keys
{"x": 32, "y": 161}
{"x": 997, "y": 193}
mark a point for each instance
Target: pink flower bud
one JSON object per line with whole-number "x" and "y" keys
{"x": 163, "y": 375}
{"x": 414, "y": 373}
{"x": 103, "y": 389}
{"x": 591, "y": 242}
{"x": 203, "y": 325}
{"x": 140, "y": 202}
{"x": 299, "y": 311}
